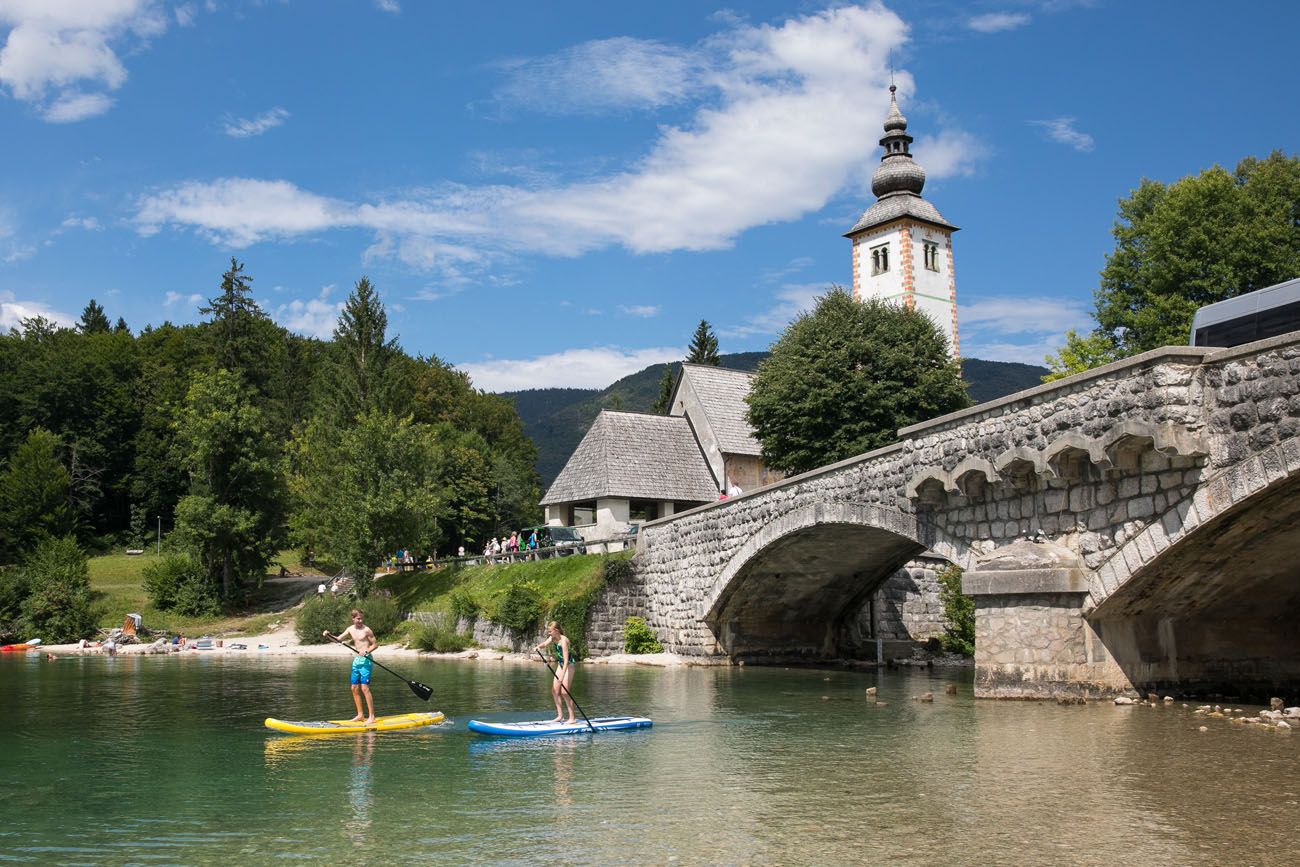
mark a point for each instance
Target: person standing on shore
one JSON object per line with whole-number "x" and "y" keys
{"x": 564, "y": 664}
{"x": 363, "y": 641}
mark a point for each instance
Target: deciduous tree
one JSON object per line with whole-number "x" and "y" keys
{"x": 843, "y": 378}
{"x": 366, "y": 490}
{"x": 232, "y": 518}
{"x": 1207, "y": 237}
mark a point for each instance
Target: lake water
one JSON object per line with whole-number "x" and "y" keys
{"x": 139, "y": 760}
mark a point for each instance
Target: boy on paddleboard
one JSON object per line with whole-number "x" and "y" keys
{"x": 363, "y": 639}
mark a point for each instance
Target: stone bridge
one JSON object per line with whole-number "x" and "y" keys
{"x": 1129, "y": 528}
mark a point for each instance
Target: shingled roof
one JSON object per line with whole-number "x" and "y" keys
{"x": 722, "y": 393}
{"x": 638, "y": 456}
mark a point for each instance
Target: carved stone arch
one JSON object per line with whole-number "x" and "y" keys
{"x": 1125, "y": 443}
{"x": 971, "y": 475}
{"x": 928, "y": 487}
{"x": 1019, "y": 466}
{"x": 1064, "y": 456}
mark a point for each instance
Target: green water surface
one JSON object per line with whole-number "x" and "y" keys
{"x": 164, "y": 760}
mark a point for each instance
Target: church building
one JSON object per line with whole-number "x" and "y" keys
{"x": 902, "y": 246}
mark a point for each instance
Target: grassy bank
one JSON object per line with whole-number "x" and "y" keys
{"x": 117, "y": 588}
{"x": 563, "y": 588}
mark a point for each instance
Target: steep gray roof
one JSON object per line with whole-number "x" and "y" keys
{"x": 722, "y": 393}
{"x": 895, "y": 206}
{"x": 638, "y": 456}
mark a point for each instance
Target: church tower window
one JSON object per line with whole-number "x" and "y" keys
{"x": 931, "y": 255}
{"x": 879, "y": 259}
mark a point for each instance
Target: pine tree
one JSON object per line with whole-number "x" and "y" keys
{"x": 234, "y": 316}
{"x": 666, "y": 383}
{"x": 704, "y": 346}
{"x": 364, "y": 371}
{"x": 93, "y": 320}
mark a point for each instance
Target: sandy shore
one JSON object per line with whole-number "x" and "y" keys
{"x": 284, "y": 642}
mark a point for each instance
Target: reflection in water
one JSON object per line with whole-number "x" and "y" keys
{"x": 360, "y": 795}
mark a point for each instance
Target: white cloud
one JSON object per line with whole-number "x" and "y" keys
{"x": 61, "y": 55}
{"x": 71, "y": 107}
{"x": 13, "y": 312}
{"x": 1024, "y": 315}
{"x": 644, "y": 311}
{"x": 1062, "y": 130}
{"x": 989, "y": 328}
{"x": 388, "y": 6}
{"x": 247, "y": 127}
{"x": 192, "y": 300}
{"x": 90, "y": 224}
{"x": 995, "y": 22}
{"x": 606, "y": 74}
{"x": 781, "y": 132}
{"x": 186, "y": 13}
{"x": 950, "y": 153}
{"x": 239, "y": 211}
{"x": 790, "y": 301}
{"x": 574, "y": 368}
{"x": 315, "y": 317}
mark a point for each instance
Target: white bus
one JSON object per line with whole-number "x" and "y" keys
{"x": 1263, "y": 313}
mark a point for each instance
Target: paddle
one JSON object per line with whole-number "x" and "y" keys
{"x": 418, "y": 688}
{"x": 566, "y": 689}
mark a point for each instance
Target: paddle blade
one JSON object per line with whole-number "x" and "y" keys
{"x": 420, "y": 689}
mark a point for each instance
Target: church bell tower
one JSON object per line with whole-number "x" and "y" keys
{"x": 902, "y": 246}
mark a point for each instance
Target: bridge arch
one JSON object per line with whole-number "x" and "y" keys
{"x": 787, "y": 591}
{"x": 1206, "y": 598}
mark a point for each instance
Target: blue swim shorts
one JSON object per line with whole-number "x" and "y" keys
{"x": 360, "y": 670}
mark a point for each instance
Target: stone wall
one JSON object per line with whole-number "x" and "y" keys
{"x": 907, "y": 606}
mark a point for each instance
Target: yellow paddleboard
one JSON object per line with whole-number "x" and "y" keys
{"x": 343, "y": 726}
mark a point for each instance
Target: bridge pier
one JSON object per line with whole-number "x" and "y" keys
{"x": 1032, "y": 640}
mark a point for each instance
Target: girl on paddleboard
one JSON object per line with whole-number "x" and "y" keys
{"x": 564, "y": 664}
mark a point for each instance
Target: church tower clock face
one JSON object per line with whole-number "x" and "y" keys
{"x": 902, "y": 245}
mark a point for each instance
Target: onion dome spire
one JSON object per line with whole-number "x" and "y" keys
{"x": 897, "y": 174}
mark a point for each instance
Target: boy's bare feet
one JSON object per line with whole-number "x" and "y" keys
{"x": 357, "y": 718}
{"x": 370, "y": 721}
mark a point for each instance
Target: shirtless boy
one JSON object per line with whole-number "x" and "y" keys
{"x": 363, "y": 639}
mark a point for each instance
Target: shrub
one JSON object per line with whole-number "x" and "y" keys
{"x": 464, "y": 606}
{"x": 959, "y": 611}
{"x": 637, "y": 637}
{"x": 381, "y": 613}
{"x": 617, "y": 569}
{"x": 439, "y": 636}
{"x": 321, "y": 612}
{"x": 58, "y": 605}
{"x": 326, "y": 611}
{"x": 520, "y": 608}
{"x": 178, "y": 583}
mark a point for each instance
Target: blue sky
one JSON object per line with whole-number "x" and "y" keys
{"x": 555, "y": 194}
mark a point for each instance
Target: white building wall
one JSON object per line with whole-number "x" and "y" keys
{"x": 687, "y": 402}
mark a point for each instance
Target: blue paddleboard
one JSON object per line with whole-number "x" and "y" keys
{"x": 541, "y": 728}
